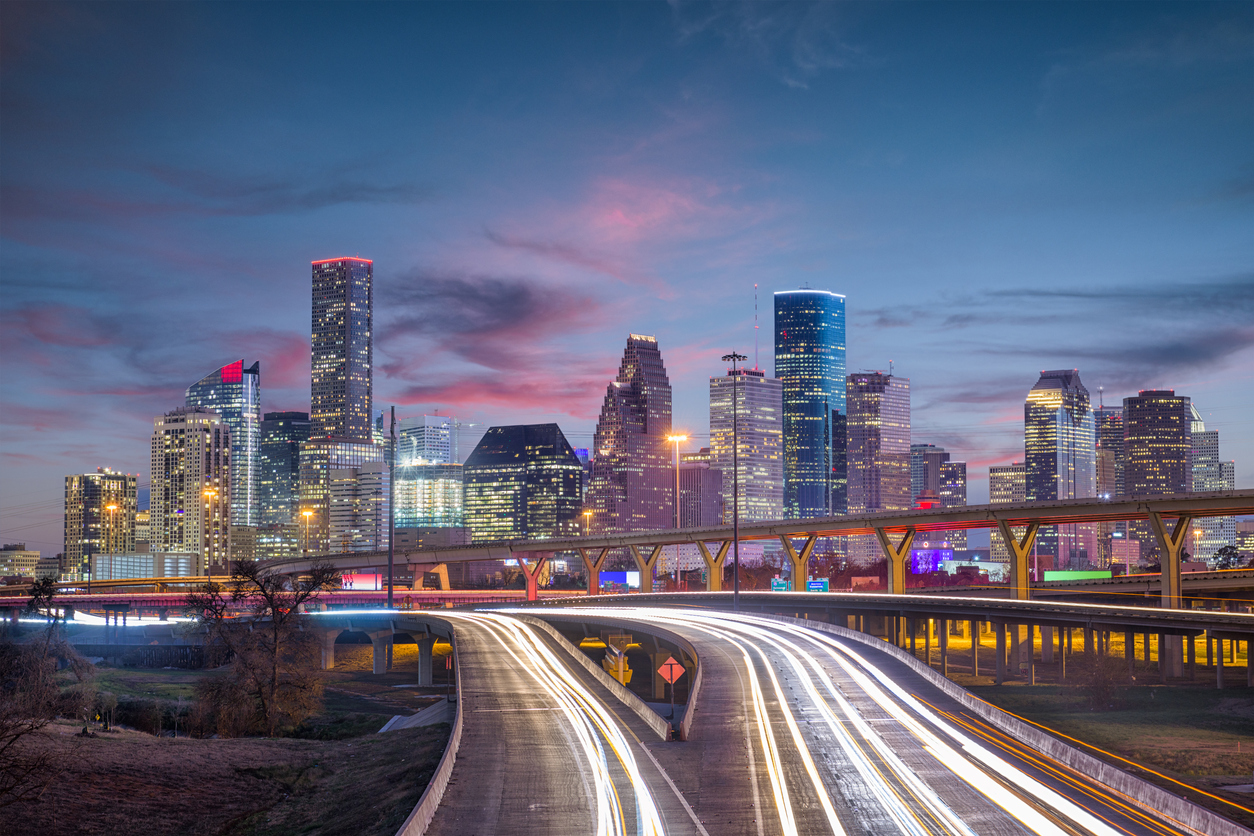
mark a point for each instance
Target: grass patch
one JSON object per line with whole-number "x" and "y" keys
{"x": 1202, "y": 737}
{"x": 336, "y": 726}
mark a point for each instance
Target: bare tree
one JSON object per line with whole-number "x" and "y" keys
{"x": 29, "y": 700}
{"x": 42, "y": 592}
{"x": 274, "y": 661}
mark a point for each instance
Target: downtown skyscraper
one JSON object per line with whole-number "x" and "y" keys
{"x": 190, "y": 502}
{"x": 1157, "y": 447}
{"x": 523, "y": 482}
{"x": 759, "y": 439}
{"x": 632, "y": 482}
{"x": 1060, "y": 448}
{"x": 99, "y": 517}
{"x": 341, "y": 400}
{"x": 879, "y": 451}
{"x": 342, "y": 348}
{"x": 1209, "y": 473}
{"x": 234, "y": 392}
{"x": 810, "y": 363}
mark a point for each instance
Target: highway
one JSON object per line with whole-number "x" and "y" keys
{"x": 798, "y": 732}
{"x": 541, "y": 752}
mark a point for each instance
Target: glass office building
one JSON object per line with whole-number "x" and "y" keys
{"x": 810, "y": 362}
{"x": 234, "y": 392}
{"x": 342, "y": 349}
{"x": 759, "y": 436}
{"x": 1060, "y": 461}
{"x": 428, "y": 495}
{"x": 879, "y": 451}
{"x": 632, "y": 482}
{"x": 99, "y": 517}
{"x": 282, "y": 433}
{"x": 522, "y": 482}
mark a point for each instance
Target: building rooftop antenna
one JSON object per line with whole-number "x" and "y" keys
{"x": 755, "y": 326}
{"x": 1101, "y": 399}
{"x": 890, "y": 368}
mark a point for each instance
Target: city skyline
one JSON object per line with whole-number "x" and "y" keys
{"x": 971, "y": 261}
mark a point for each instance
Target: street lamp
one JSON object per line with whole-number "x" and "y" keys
{"x": 306, "y": 514}
{"x": 1196, "y": 532}
{"x": 587, "y": 521}
{"x": 210, "y": 493}
{"x": 734, "y": 358}
{"x": 675, "y": 439}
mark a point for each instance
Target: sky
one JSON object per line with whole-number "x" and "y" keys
{"x": 997, "y": 189}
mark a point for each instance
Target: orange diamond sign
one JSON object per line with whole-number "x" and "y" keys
{"x": 671, "y": 670}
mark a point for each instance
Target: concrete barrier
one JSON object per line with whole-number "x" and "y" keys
{"x": 1135, "y": 791}
{"x": 654, "y": 720}
{"x": 420, "y": 818}
{"x": 690, "y": 710}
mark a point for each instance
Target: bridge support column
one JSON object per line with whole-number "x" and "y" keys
{"x": 425, "y": 644}
{"x": 1129, "y": 651}
{"x": 1001, "y": 653}
{"x": 714, "y": 565}
{"x": 943, "y": 638}
{"x": 975, "y": 648}
{"x": 896, "y": 556}
{"x": 1249, "y": 663}
{"x": 1019, "y": 551}
{"x": 1047, "y": 645}
{"x": 381, "y": 642}
{"x": 1190, "y": 651}
{"x": 1171, "y": 544}
{"x": 328, "y": 649}
{"x": 800, "y": 561}
{"x": 533, "y": 573}
{"x": 593, "y": 568}
{"x": 1219, "y": 667}
{"x": 646, "y": 566}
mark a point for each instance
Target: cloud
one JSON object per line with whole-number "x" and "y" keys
{"x": 498, "y": 323}
{"x": 794, "y": 41}
{"x": 565, "y": 253}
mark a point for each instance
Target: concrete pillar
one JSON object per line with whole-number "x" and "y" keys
{"x": 1047, "y": 645}
{"x": 1210, "y": 647}
{"x": 1129, "y": 651}
{"x": 380, "y": 642}
{"x": 1219, "y": 670}
{"x": 1001, "y": 653}
{"x": 1031, "y": 654}
{"x": 328, "y": 649}
{"x": 896, "y": 556}
{"x": 659, "y": 684}
{"x": 425, "y": 644}
{"x": 1162, "y": 662}
{"x": 1190, "y": 646}
{"x": 592, "y": 566}
{"x": 1249, "y": 664}
{"x": 944, "y": 649}
{"x": 646, "y": 565}
{"x": 975, "y": 648}
{"x": 927, "y": 641}
{"x": 1062, "y": 655}
{"x": 1088, "y": 644}
{"x": 912, "y": 626}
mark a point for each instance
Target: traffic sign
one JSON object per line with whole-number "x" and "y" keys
{"x": 779, "y": 585}
{"x": 817, "y": 586}
{"x": 671, "y": 670}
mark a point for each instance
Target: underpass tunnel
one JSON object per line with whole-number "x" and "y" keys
{"x": 645, "y": 654}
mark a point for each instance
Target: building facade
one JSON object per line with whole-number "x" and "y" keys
{"x": 1006, "y": 484}
{"x": 319, "y": 459}
{"x": 99, "y": 517}
{"x": 700, "y": 493}
{"x": 358, "y": 508}
{"x": 756, "y": 415}
{"x": 428, "y": 439}
{"x": 631, "y": 487}
{"x": 282, "y": 434}
{"x": 1060, "y": 450}
{"x": 1210, "y": 473}
{"x": 17, "y": 561}
{"x": 190, "y": 498}
{"x": 878, "y": 450}
{"x": 810, "y": 364}
{"x": 428, "y": 495}
{"x": 342, "y": 348}
{"x": 234, "y": 392}
{"x": 522, "y": 482}
{"x": 1157, "y": 445}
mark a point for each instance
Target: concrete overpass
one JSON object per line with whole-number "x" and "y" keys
{"x": 1170, "y": 517}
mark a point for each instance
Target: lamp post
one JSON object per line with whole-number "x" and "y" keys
{"x": 306, "y": 514}
{"x": 734, "y": 358}
{"x": 1196, "y": 532}
{"x": 676, "y": 439}
{"x": 587, "y": 521}
{"x": 210, "y": 493}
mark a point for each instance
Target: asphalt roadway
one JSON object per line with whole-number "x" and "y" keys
{"x": 797, "y": 732}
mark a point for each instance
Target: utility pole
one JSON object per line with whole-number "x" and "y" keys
{"x": 733, "y": 358}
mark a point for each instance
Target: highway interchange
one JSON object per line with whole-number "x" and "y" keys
{"x": 798, "y": 732}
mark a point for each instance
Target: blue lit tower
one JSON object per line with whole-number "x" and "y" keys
{"x": 1060, "y": 455}
{"x": 234, "y": 392}
{"x": 810, "y": 360}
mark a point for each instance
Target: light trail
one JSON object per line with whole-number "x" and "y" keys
{"x": 914, "y": 805}
{"x": 594, "y": 727}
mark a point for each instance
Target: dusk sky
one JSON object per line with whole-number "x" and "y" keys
{"x": 996, "y": 188}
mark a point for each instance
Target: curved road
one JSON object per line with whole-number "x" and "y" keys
{"x": 797, "y": 732}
